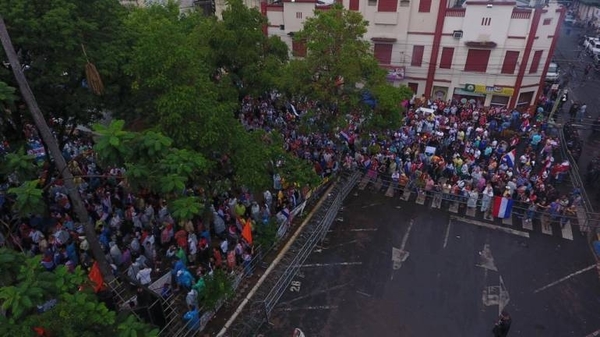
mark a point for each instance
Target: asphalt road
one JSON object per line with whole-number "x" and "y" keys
{"x": 582, "y": 90}
{"x": 454, "y": 281}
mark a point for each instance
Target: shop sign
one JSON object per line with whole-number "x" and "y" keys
{"x": 395, "y": 74}
{"x": 489, "y": 89}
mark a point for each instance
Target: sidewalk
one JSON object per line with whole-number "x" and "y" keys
{"x": 515, "y": 224}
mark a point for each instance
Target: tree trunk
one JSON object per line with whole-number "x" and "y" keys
{"x": 56, "y": 153}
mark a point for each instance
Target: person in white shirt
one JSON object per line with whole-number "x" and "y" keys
{"x": 488, "y": 194}
{"x": 143, "y": 276}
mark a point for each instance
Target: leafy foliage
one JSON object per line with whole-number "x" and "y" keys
{"x": 28, "y": 198}
{"x": 25, "y": 284}
{"x": 20, "y": 164}
{"x": 49, "y": 36}
{"x": 249, "y": 59}
{"x": 186, "y": 208}
{"x": 266, "y": 234}
{"x": 336, "y": 53}
{"x": 218, "y": 287}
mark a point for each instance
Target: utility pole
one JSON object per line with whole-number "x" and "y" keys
{"x": 61, "y": 164}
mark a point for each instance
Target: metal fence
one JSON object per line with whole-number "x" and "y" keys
{"x": 585, "y": 214}
{"x": 266, "y": 297}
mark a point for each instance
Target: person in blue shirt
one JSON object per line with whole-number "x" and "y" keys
{"x": 185, "y": 279}
{"x": 192, "y": 319}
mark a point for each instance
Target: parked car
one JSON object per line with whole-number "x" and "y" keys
{"x": 553, "y": 73}
{"x": 593, "y": 47}
{"x": 569, "y": 20}
{"x": 587, "y": 40}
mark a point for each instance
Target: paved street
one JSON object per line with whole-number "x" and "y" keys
{"x": 582, "y": 90}
{"x": 455, "y": 278}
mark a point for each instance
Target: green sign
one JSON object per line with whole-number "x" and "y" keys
{"x": 470, "y": 87}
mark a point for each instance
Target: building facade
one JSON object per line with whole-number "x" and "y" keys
{"x": 588, "y": 11}
{"x": 493, "y": 52}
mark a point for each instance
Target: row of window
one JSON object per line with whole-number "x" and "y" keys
{"x": 390, "y": 5}
{"x": 477, "y": 59}
{"x": 424, "y": 7}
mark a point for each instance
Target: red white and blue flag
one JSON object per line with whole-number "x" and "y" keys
{"x": 510, "y": 158}
{"x": 344, "y": 136}
{"x": 502, "y": 207}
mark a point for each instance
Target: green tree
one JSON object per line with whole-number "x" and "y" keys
{"x": 187, "y": 82}
{"x": 28, "y": 199}
{"x": 387, "y": 113}
{"x": 25, "y": 284}
{"x": 337, "y": 57}
{"x": 49, "y": 36}
{"x": 243, "y": 53}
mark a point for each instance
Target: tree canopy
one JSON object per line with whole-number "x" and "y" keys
{"x": 60, "y": 302}
{"x": 50, "y": 38}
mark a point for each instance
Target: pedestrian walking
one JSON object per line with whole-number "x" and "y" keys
{"x": 502, "y": 326}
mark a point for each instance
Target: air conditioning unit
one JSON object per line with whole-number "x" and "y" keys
{"x": 457, "y": 34}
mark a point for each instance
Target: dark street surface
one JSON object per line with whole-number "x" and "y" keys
{"x": 584, "y": 91}
{"x": 456, "y": 279}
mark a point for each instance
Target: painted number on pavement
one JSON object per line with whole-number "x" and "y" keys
{"x": 295, "y": 287}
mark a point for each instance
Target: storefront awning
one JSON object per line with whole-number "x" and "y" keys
{"x": 462, "y": 92}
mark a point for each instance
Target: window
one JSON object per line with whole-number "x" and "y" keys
{"x": 372, "y": 3}
{"x": 486, "y": 21}
{"x": 354, "y": 5}
{"x": 424, "y": 6}
{"x": 383, "y": 52}
{"x": 417, "y": 56}
{"x": 525, "y": 98}
{"x": 547, "y": 21}
{"x": 387, "y": 6}
{"x": 447, "y": 54}
{"x": 535, "y": 62}
{"x": 510, "y": 62}
{"x": 499, "y": 101}
{"x": 477, "y": 60}
{"x": 298, "y": 15}
{"x": 414, "y": 87}
{"x": 298, "y": 48}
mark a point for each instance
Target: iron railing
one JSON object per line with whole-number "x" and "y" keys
{"x": 253, "y": 316}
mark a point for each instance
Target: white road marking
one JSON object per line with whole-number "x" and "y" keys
{"x": 567, "y": 231}
{"x": 447, "y": 233}
{"x": 564, "y": 278}
{"x": 496, "y": 295}
{"x": 309, "y": 265}
{"x": 371, "y": 205}
{"x": 400, "y": 255}
{"x": 490, "y": 226}
{"x": 316, "y": 307}
{"x": 486, "y": 259}
{"x": 355, "y": 230}
{"x": 342, "y": 244}
{"x": 594, "y": 334}
{"x": 364, "y": 294}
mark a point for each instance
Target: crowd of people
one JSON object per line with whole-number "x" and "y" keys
{"x": 455, "y": 146}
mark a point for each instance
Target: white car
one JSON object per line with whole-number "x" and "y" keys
{"x": 587, "y": 40}
{"x": 553, "y": 73}
{"x": 569, "y": 20}
{"x": 593, "y": 47}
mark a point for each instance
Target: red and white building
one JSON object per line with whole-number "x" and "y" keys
{"x": 496, "y": 52}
